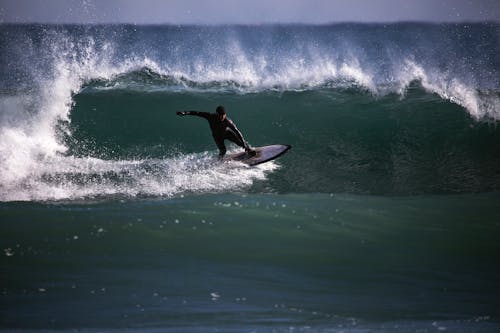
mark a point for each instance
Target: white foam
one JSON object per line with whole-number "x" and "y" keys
{"x": 353, "y": 71}
{"x": 66, "y": 178}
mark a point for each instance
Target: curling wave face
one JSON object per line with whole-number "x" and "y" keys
{"x": 61, "y": 82}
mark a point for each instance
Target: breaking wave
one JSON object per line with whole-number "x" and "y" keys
{"x": 51, "y": 66}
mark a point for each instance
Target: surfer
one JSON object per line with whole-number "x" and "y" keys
{"x": 222, "y": 128}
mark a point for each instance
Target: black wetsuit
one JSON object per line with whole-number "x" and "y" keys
{"x": 221, "y": 130}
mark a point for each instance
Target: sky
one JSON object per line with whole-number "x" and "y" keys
{"x": 246, "y": 12}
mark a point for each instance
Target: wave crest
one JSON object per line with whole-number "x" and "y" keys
{"x": 480, "y": 104}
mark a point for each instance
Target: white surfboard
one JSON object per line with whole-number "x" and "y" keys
{"x": 263, "y": 154}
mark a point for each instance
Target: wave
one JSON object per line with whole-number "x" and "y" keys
{"x": 55, "y": 66}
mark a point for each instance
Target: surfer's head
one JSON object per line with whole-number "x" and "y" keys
{"x": 221, "y": 112}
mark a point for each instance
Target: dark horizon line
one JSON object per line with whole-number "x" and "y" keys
{"x": 486, "y": 22}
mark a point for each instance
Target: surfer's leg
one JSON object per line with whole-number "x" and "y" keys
{"x": 231, "y": 136}
{"x": 222, "y": 147}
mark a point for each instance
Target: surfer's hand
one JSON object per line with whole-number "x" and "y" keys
{"x": 181, "y": 113}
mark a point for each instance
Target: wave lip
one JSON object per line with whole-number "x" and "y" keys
{"x": 141, "y": 77}
{"x": 480, "y": 104}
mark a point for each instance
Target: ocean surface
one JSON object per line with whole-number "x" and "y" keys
{"x": 116, "y": 215}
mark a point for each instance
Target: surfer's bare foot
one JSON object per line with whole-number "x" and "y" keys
{"x": 251, "y": 152}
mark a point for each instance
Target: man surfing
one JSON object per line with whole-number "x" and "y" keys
{"x": 222, "y": 128}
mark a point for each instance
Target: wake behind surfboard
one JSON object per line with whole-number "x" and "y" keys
{"x": 263, "y": 154}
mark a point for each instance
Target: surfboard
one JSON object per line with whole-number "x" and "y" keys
{"x": 263, "y": 154}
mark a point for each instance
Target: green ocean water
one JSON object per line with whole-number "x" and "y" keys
{"x": 343, "y": 140}
{"x": 254, "y": 262}
{"x": 116, "y": 215}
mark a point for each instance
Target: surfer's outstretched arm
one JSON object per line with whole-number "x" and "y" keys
{"x": 194, "y": 113}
